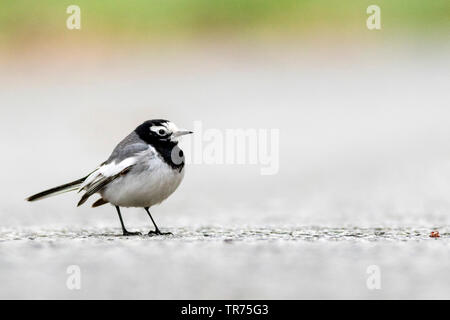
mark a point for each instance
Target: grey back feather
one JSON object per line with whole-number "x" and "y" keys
{"x": 128, "y": 147}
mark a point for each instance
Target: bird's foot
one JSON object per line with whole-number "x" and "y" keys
{"x": 157, "y": 232}
{"x": 128, "y": 233}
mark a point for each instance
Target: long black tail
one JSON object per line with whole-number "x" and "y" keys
{"x": 71, "y": 186}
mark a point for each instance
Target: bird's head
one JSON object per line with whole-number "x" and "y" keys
{"x": 160, "y": 131}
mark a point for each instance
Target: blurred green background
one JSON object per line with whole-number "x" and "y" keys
{"x": 28, "y": 22}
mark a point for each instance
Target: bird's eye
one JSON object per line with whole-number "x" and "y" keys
{"x": 161, "y": 132}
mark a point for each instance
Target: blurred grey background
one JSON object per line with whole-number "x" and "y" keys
{"x": 363, "y": 136}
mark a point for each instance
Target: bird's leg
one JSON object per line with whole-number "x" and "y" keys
{"x": 157, "y": 231}
{"x": 124, "y": 230}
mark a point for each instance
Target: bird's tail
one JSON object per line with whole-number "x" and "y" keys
{"x": 71, "y": 186}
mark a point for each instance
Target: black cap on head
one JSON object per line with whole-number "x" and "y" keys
{"x": 154, "y": 131}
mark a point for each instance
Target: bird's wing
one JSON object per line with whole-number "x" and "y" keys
{"x": 119, "y": 160}
{"x": 111, "y": 170}
{"x": 100, "y": 182}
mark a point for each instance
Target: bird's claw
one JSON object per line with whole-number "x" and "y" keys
{"x": 128, "y": 233}
{"x": 159, "y": 233}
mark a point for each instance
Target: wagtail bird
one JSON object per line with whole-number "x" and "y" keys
{"x": 144, "y": 169}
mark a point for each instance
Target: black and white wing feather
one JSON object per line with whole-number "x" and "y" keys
{"x": 120, "y": 162}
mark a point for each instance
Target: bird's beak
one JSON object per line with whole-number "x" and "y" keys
{"x": 181, "y": 133}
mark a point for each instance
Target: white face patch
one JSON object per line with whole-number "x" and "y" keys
{"x": 171, "y": 127}
{"x": 164, "y": 130}
{"x": 160, "y": 130}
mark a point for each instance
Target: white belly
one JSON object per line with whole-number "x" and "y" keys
{"x": 144, "y": 188}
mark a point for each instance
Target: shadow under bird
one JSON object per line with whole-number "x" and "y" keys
{"x": 144, "y": 169}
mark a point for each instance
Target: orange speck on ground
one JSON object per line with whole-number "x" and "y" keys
{"x": 435, "y": 234}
